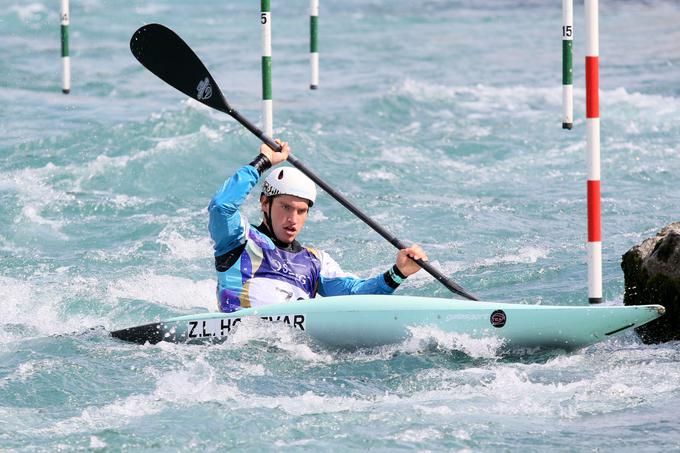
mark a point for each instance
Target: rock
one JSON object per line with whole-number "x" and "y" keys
{"x": 651, "y": 272}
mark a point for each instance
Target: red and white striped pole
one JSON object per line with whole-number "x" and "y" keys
{"x": 593, "y": 150}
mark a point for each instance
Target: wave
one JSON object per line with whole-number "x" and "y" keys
{"x": 525, "y": 255}
{"x": 32, "y": 309}
{"x": 183, "y": 248}
{"x": 167, "y": 290}
{"x": 34, "y": 12}
{"x": 515, "y": 98}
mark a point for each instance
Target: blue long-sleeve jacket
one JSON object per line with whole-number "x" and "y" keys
{"x": 252, "y": 271}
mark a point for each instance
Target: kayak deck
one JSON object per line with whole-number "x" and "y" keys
{"x": 375, "y": 320}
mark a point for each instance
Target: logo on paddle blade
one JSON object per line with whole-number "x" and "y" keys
{"x": 498, "y": 318}
{"x": 204, "y": 90}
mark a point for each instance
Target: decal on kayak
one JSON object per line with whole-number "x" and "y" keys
{"x": 218, "y": 328}
{"x": 498, "y": 318}
{"x": 296, "y": 321}
{"x": 465, "y": 317}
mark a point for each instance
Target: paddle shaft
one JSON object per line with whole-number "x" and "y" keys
{"x": 165, "y": 54}
{"x": 443, "y": 279}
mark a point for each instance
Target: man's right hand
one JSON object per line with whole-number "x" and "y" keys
{"x": 274, "y": 157}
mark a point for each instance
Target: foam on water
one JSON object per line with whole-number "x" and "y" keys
{"x": 486, "y": 99}
{"x": 38, "y": 308}
{"x": 423, "y": 338}
{"x": 168, "y": 290}
{"x": 452, "y": 141}
{"x": 96, "y": 443}
{"x": 36, "y": 193}
{"x": 447, "y": 268}
{"x": 20, "y": 307}
{"x": 527, "y": 254}
{"x": 377, "y": 175}
{"x": 151, "y": 9}
{"x": 290, "y": 340}
{"x": 111, "y": 416}
{"x": 316, "y": 215}
{"x": 182, "y": 248}
{"x": 403, "y": 155}
{"x": 196, "y": 383}
{"x": 33, "y": 12}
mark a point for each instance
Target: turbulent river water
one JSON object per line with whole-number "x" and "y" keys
{"x": 441, "y": 119}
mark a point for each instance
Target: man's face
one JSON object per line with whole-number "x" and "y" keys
{"x": 289, "y": 214}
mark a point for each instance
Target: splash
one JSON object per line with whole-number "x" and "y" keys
{"x": 296, "y": 343}
{"x": 525, "y": 255}
{"x": 23, "y": 305}
{"x": 378, "y": 174}
{"x": 183, "y": 248}
{"x": 115, "y": 415}
{"x": 425, "y": 338}
{"x": 196, "y": 382}
{"x": 169, "y": 290}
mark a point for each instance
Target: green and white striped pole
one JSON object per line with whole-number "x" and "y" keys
{"x": 567, "y": 69}
{"x": 65, "y": 59}
{"x": 314, "y": 43}
{"x": 267, "y": 109}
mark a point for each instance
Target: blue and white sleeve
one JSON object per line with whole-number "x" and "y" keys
{"x": 335, "y": 282}
{"x": 226, "y": 225}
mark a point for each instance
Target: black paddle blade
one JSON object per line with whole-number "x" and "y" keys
{"x": 165, "y": 54}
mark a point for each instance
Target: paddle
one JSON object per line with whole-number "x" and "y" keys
{"x": 165, "y": 54}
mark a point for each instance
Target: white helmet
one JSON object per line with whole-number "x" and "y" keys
{"x": 289, "y": 181}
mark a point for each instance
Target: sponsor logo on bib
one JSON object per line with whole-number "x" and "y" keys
{"x": 277, "y": 266}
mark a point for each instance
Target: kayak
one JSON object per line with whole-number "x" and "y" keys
{"x": 363, "y": 321}
{"x": 377, "y": 320}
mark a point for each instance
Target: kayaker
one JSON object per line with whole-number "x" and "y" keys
{"x": 265, "y": 264}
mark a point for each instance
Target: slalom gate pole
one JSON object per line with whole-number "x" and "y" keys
{"x": 314, "y": 43}
{"x": 65, "y": 59}
{"x": 567, "y": 68}
{"x": 267, "y": 107}
{"x": 593, "y": 150}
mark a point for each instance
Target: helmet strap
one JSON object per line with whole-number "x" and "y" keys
{"x": 268, "y": 218}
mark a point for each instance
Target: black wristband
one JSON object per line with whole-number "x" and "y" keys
{"x": 394, "y": 277}
{"x": 398, "y": 272}
{"x": 261, "y": 163}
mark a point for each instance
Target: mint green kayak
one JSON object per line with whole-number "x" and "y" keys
{"x": 368, "y": 321}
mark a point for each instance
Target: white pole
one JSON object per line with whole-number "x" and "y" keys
{"x": 267, "y": 107}
{"x": 65, "y": 59}
{"x": 314, "y": 43}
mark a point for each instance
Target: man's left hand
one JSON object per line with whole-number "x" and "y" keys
{"x": 405, "y": 259}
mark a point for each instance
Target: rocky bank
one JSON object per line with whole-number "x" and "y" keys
{"x": 652, "y": 276}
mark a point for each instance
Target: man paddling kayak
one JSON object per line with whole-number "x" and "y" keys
{"x": 265, "y": 264}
